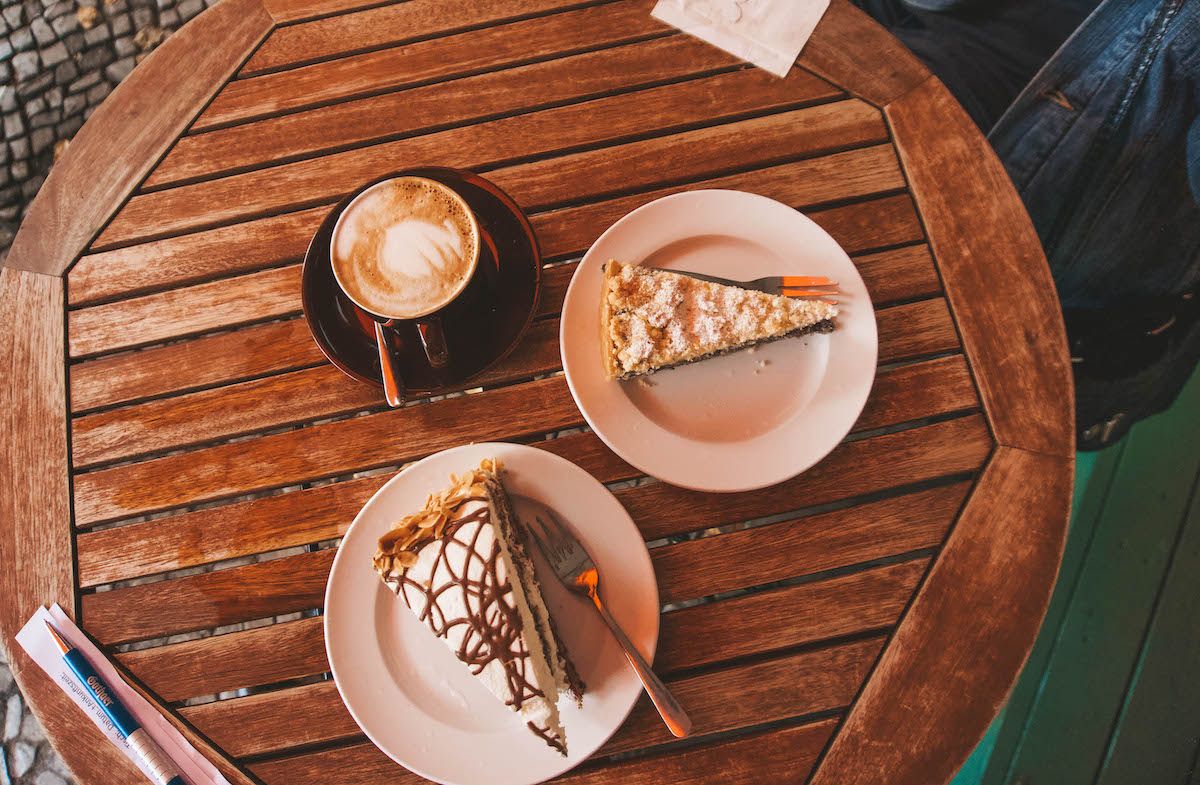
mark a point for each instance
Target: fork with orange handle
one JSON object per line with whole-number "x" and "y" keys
{"x": 786, "y": 285}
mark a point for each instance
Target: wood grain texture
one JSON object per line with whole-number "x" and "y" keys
{"x": 852, "y": 469}
{"x": 157, "y": 317}
{"x": 819, "y": 610}
{"x": 226, "y": 358}
{"x": 249, "y": 658}
{"x": 764, "y": 758}
{"x": 273, "y": 293}
{"x": 423, "y": 62}
{"x": 237, "y": 659}
{"x": 295, "y": 583}
{"x": 995, "y": 273}
{"x": 959, "y": 648}
{"x": 712, "y": 565}
{"x": 860, "y": 227}
{"x": 291, "y": 11}
{"x": 273, "y": 522}
{"x": 275, "y": 241}
{"x": 192, "y": 258}
{"x": 908, "y": 331}
{"x": 388, "y": 25}
{"x": 741, "y": 696}
{"x": 35, "y": 507}
{"x": 382, "y": 439}
{"x": 439, "y": 105}
{"x": 277, "y": 347}
{"x": 754, "y": 143}
{"x": 142, "y": 117}
{"x": 838, "y": 51}
{"x": 233, "y": 773}
{"x": 868, "y": 600}
{"x": 208, "y": 600}
{"x": 290, "y": 398}
{"x": 278, "y": 720}
{"x": 607, "y": 120}
{"x": 324, "y": 391}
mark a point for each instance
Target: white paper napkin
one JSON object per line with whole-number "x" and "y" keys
{"x": 768, "y": 33}
{"x": 37, "y": 642}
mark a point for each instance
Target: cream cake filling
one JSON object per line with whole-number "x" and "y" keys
{"x": 462, "y": 573}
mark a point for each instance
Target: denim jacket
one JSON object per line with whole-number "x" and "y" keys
{"x": 1104, "y": 148}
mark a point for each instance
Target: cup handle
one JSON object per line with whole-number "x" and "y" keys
{"x": 433, "y": 340}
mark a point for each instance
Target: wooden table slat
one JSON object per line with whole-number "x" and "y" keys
{"x": 261, "y": 655}
{"x": 869, "y": 600}
{"x": 324, "y": 391}
{"x": 775, "y": 756}
{"x": 610, "y": 120}
{"x": 1024, "y": 366}
{"x": 415, "y": 110}
{"x": 296, "y": 583}
{"x": 957, "y": 653}
{"x": 177, "y": 368}
{"x": 245, "y": 659}
{"x": 738, "y": 697}
{"x": 35, "y": 508}
{"x": 322, "y": 513}
{"x": 424, "y": 62}
{"x": 275, "y": 522}
{"x": 292, "y": 11}
{"x": 835, "y": 51}
{"x": 391, "y": 437}
{"x": 361, "y": 443}
{"x": 900, "y": 274}
{"x": 395, "y": 24}
{"x": 273, "y": 293}
{"x": 826, "y": 541}
{"x": 192, "y": 258}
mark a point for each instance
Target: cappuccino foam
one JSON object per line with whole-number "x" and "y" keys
{"x": 405, "y": 248}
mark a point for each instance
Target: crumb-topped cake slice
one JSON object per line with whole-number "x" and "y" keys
{"x": 461, "y": 566}
{"x": 655, "y": 319}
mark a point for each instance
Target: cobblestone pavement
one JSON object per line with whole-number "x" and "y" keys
{"x": 26, "y": 757}
{"x": 58, "y": 60}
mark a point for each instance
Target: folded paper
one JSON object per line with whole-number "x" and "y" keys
{"x": 40, "y": 646}
{"x": 767, "y": 33}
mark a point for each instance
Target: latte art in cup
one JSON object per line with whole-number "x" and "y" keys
{"x": 405, "y": 247}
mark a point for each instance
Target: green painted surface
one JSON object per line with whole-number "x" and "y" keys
{"x": 1115, "y": 638}
{"x": 1098, "y": 644}
{"x": 1157, "y": 735}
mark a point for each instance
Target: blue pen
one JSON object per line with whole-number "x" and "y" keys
{"x": 165, "y": 771}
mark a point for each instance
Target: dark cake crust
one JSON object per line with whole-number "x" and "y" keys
{"x": 515, "y": 535}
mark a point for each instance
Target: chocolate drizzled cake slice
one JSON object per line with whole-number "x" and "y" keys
{"x": 655, "y": 319}
{"x": 461, "y": 566}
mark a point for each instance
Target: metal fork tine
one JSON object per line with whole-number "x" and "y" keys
{"x": 537, "y": 540}
{"x": 556, "y": 534}
{"x": 554, "y": 542}
{"x": 565, "y": 539}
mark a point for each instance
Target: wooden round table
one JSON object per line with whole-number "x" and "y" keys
{"x": 166, "y": 410}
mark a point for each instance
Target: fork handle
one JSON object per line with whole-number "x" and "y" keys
{"x": 672, "y": 713}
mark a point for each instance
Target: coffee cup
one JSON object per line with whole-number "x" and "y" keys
{"x": 403, "y": 250}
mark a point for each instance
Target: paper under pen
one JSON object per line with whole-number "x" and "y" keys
{"x": 165, "y": 771}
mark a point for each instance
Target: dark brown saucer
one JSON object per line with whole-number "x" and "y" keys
{"x": 481, "y": 326}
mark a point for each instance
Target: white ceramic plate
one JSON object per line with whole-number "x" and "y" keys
{"x": 406, "y": 689}
{"x": 749, "y": 419}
